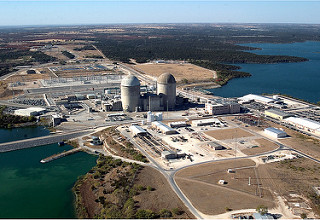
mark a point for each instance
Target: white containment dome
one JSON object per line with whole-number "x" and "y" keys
{"x": 166, "y": 86}
{"x": 130, "y": 93}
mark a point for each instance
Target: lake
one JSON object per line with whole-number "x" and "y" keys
{"x": 30, "y": 189}
{"x": 300, "y": 80}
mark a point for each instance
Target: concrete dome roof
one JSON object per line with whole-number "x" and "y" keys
{"x": 166, "y": 78}
{"x": 130, "y": 80}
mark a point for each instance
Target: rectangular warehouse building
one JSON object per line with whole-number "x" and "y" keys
{"x": 165, "y": 129}
{"x": 274, "y": 132}
{"x": 276, "y": 114}
{"x": 136, "y": 129}
{"x": 178, "y": 124}
{"x": 204, "y": 122}
{"x": 304, "y": 124}
{"x": 257, "y": 98}
{"x": 32, "y": 111}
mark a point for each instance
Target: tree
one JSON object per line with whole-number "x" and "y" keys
{"x": 165, "y": 213}
{"x": 149, "y": 188}
{"x": 262, "y": 209}
{"x": 145, "y": 214}
{"x": 303, "y": 215}
{"x": 176, "y": 211}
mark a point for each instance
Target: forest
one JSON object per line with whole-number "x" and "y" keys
{"x": 206, "y": 46}
{"x": 10, "y": 58}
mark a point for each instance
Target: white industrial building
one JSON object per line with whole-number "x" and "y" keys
{"x": 136, "y": 129}
{"x": 220, "y": 106}
{"x": 204, "y": 122}
{"x": 275, "y": 133}
{"x": 304, "y": 124}
{"x": 178, "y": 124}
{"x": 165, "y": 129}
{"x": 257, "y": 98}
{"x": 32, "y": 111}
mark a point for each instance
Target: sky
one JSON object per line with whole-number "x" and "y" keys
{"x": 72, "y": 12}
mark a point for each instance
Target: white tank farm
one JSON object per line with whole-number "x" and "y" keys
{"x": 166, "y": 85}
{"x": 130, "y": 93}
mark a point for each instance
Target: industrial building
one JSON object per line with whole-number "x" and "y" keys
{"x": 178, "y": 124}
{"x": 172, "y": 155}
{"x": 304, "y": 124}
{"x": 32, "y": 111}
{"x": 204, "y": 122}
{"x": 133, "y": 100}
{"x": 130, "y": 93}
{"x": 154, "y": 117}
{"x": 136, "y": 129}
{"x": 163, "y": 128}
{"x": 276, "y": 114}
{"x": 274, "y": 132}
{"x": 166, "y": 86}
{"x": 257, "y": 98}
{"x": 221, "y": 106}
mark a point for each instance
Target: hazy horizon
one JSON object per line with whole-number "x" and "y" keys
{"x": 58, "y": 13}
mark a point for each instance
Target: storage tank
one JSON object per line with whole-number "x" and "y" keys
{"x": 150, "y": 117}
{"x": 166, "y": 85}
{"x": 130, "y": 93}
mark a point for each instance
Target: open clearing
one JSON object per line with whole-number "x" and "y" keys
{"x": 187, "y": 71}
{"x": 225, "y": 134}
{"x": 264, "y": 145}
{"x": 200, "y": 185}
{"x": 290, "y": 177}
{"x": 162, "y": 197}
{"x": 298, "y": 141}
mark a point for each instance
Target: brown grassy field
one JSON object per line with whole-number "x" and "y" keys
{"x": 224, "y": 134}
{"x": 161, "y": 197}
{"x": 190, "y": 72}
{"x": 200, "y": 183}
{"x": 291, "y": 176}
{"x": 306, "y": 144}
{"x": 264, "y": 146}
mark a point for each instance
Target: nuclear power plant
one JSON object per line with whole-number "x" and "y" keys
{"x": 166, "y": 87}
{"x": 130, "y": 93}
{"x": 133, "y": 100}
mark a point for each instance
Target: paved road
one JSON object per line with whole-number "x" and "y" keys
{"x": 39, "y": 141}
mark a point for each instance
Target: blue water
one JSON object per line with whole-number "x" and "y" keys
{"x": 300, "y": 80}
{"x": 15, "y": 134}
{"x": 30, "y": 189}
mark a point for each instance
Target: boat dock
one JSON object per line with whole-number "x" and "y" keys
{"x": 63, "y": 154}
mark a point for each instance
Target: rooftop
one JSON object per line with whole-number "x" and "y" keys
{"x": 304, "y": 122}
{"x": 130, "y": 80}
{"x": 277, "y": 112}
{"x": 166, "y": 78}
{"x": 257, "y": 98}
{"x": 274, "y": 130}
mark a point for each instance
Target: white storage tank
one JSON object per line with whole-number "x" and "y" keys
{"x": 150, "y": 117}
{"x": 158, "y": 116}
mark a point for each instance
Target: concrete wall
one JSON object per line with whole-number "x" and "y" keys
{"x": 130, "y": 96}
{"x": 169, "y": 94}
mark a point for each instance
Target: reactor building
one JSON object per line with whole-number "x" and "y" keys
{"x": 166, "y": 87}
{"x": 164, "y": 99}
{"x": 130, "y": 93}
